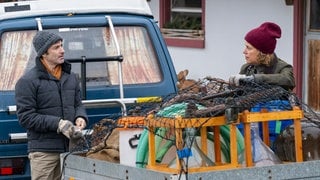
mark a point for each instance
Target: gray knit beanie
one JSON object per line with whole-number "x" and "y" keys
{"x": 43, "y": 40}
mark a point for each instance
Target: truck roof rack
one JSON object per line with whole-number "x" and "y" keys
{"x": 18, "y": 9}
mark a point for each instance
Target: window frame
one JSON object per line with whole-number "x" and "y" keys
{"x": 165, "y": 15}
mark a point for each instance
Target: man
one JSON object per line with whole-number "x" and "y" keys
{"x": 49, "y": 103}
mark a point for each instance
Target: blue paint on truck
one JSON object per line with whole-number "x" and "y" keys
{"x": 147, "y": 68}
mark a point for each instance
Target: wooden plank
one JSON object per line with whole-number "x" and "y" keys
{"x": 313, "y": 81}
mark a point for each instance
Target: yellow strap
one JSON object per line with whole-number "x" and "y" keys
{"x": 149, "y": 99}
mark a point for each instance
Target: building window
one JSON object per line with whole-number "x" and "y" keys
{"x": 182, "y": 22}
{"x": 314, "y": 15}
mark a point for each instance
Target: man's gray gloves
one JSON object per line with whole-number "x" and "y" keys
{"x": 69, "y": 130}
{"x": 236, "y": 79}
{"x": 74, "y": 134}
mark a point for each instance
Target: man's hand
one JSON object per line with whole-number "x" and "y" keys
{"x": 81, "y": 123}
{"x": 66, "y": 128}
{"x": 235, "y": 79}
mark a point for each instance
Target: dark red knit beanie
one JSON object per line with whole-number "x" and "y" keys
{"x": 264, "y": 37}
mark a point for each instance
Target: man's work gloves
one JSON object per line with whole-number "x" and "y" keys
{"x": 74, "y": 134}
{"x": 235, "y": 80}
{"x": 69, "y": 130}
{"x": 81, "y": 123}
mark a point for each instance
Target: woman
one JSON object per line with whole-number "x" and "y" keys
{"x": 262, "y": 64}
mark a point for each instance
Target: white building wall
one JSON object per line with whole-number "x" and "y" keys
{"x": 227, "y": 22}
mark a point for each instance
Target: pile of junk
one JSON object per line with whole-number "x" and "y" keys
{"x": 126, "y": 140}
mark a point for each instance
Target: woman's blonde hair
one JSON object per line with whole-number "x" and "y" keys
{"x": 265, "y": 59}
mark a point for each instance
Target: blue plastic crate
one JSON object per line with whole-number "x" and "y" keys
{"x": 275, "y": 127}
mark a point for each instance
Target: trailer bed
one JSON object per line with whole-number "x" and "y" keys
{"x": 77, "y": 167}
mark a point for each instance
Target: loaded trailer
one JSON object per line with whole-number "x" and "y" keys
{"x": 124, "y": 66}
{"x": 77, "y": 166}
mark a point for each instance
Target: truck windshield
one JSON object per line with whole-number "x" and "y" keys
{"x": 140, "y": 64}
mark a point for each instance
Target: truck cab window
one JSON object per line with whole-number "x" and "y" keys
{"x": 17, "y": 55}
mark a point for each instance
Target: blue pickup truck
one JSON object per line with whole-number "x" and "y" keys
{"x": 114, "y": 46}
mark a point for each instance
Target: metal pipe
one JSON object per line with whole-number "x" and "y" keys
{"x": 83, "y": 77}
{"x": 39, "y": 24}
{"x": 119, "y": 54}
